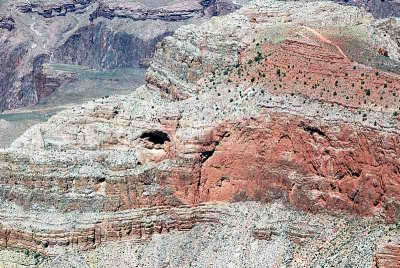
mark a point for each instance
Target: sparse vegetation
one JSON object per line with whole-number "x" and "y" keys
{"x": 259, "y": 57}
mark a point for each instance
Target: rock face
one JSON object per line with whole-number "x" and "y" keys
{"x": 174, "y": 242}
{"x": 54, "y": 8}
{"x": 7, "y": 23}
{"x": 85, "y": 36}
{"x": 379, "y": 8}
{"x": 134, "y": 225}
{"x": 183, "y": 10}
{"x": 387, "y": 256}
{"x": 280, "y": 104}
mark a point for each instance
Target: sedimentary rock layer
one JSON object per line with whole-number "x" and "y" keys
{"x": 57, "y": 8}
{"x": 256, "y": 106}
{"x": 183, "y": 10}
{"x": 84, "y": 36}
{"x": 128, "y": 152}
{"x": 92, "y": 231}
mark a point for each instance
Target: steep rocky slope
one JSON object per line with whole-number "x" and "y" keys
{"x": 276, "y": 126}
{"x": 97, "y": 34}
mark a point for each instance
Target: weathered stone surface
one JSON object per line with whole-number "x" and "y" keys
{"x": 258, "y": 105}
{"x": 80, "y": 33}
{"x": 176, "y": 11}
{"x": 295, "y": 236}
{"x": 129, "y": 225}
{"x": 388, "y": 256}
{"x": 54, "y": 8}
{"x": 7, "y": 23}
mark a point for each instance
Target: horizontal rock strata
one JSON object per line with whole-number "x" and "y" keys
{"x": 57, "y": 8}
{"x": 90, "y": 233}
{"x": 258, "y": 105}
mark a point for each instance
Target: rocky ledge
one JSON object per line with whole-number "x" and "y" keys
{"x": 93, "y": 229}
{"x": 182, "y": 10}
{"x": 54, "y": 8}
{"x": 280, "y": 102}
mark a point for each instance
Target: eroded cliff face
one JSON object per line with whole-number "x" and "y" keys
{"x": 96, "y": 34}
{"x": 243, "y": 123}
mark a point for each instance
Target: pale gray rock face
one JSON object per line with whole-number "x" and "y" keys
{"x": 246, "y": 235}
{"x": 61, "y": 53}
{"x": 109, "y": 183}
{"x": 184, "y": 58}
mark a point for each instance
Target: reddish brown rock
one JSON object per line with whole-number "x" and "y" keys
{"x": 387, "y": 256}
{"x": 311, "y": 165}
{"x": 247, "y": 118}
{"x": 317, "y": 67}
{"x": 128, "y": 227}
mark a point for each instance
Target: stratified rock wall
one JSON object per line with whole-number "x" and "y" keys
{"x": 82, "y": 33}
{"x": 291, "y": 103}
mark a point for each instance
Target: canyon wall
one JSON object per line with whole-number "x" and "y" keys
{"x": 96, "y": 34}
{"x": 276, "y": 126}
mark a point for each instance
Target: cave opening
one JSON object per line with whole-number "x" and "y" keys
{"x": 312, "y": 129}
{"x": 156, "y": 137}
{"x": 206, "y": 155}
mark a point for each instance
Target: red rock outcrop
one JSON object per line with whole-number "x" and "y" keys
{"x": 255, "y": 110}
{"x": 313, "y": 165}
{"x": 318, "y": 71}
{"x": 163, "y": 159}
{"x": 308, "y": 163}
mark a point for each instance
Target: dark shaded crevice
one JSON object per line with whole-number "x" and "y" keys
{"x": 355, "y": 173}
{"x": 352, "y": 196}
{"x": 7, "y": 23}
{"x": 206, "y": 155}
{"x": 209, "y": 153}
{"x": 312, "y": 130}
{"x": 156, "y": 137}
{"x": 351, "y": 172}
